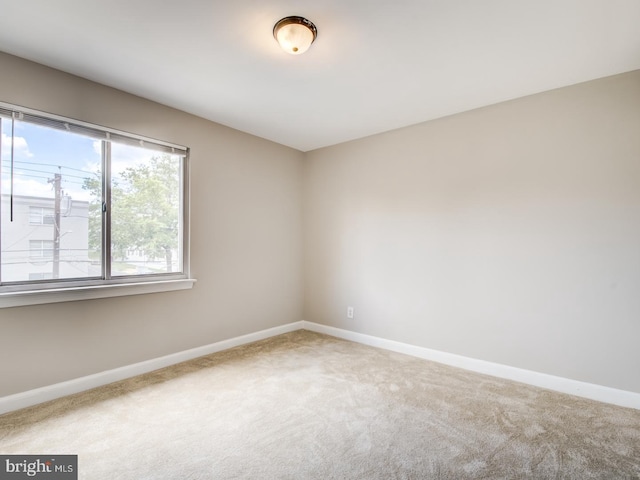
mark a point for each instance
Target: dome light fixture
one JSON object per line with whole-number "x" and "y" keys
{"x": 295, "y": 34}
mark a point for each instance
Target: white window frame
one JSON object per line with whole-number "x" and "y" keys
{"x": 40, "y": 292}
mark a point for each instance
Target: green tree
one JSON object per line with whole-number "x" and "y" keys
{"x": 94, "y": 186}
{"x": 145, "y": 210}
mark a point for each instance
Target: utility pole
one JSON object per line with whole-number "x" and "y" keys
{"x": 57, "y": 188}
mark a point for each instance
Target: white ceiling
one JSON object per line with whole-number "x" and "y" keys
{"x": 376, "y": 65}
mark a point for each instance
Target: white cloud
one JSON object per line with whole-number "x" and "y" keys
{"x": 27, "y": 186}
{"x": 91, "y": 167}
{"x": 97, "y": 146}
{"x": 34, "y": 188}
{"x": 20, "y": 147}
{"x": 79, "y": 194}
{"x": 124, "y": 156}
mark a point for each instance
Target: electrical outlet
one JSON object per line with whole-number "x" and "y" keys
{"x": 349, "y": 312}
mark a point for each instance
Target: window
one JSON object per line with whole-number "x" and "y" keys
{"x": 40, "y": 250}
{"x": 40, "y": 216}
{"x": 88, "y": 206}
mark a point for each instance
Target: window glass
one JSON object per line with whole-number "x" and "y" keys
{"x": 41, "y": 216}
{"x": 50, "y": 231}
{"x": 145, "y": 211}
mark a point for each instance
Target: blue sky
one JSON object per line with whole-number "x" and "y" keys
{"x": 40, "y": 151}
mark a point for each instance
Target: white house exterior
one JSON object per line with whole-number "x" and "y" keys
{"x": 28, "y": 241}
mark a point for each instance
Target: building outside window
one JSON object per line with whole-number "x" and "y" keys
{"x": 28, "y": 245}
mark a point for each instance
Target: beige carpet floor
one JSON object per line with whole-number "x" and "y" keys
{"x": 309, "y": 406}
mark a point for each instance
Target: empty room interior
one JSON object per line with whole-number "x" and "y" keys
{"x": 407, "y": 248}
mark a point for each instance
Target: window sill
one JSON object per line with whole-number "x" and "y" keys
{"x": 38, "y": 297}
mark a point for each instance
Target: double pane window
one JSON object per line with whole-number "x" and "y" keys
{"x": 84, "y": 204}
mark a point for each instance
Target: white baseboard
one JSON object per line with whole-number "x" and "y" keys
{"x": 573, "y": 387}
{"x": 58, "y": 390}
{"x": 591, "y": 391}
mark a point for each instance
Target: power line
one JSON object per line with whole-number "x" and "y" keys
{"x": 51, "y": 165}
{"x": 21, "y": 239}
{"x": 19, "y": 174}
{"x": 31, "y": 176}
{"x": 88, "y": 174}
{"x": 22, "y": 169}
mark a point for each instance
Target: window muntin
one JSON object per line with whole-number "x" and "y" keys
{"x": 40, "y": 216}
{"x": 40, "y": 250}
{"x": 89, "y": 205}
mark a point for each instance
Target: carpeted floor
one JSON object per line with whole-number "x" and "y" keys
{"x": 308, "y": 406}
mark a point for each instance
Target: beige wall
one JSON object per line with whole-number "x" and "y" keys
{"x": 245, "y": 243}
{"x": 509, "y": 234}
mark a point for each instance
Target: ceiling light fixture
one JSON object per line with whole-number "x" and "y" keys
{"x": 295, "y": 34}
